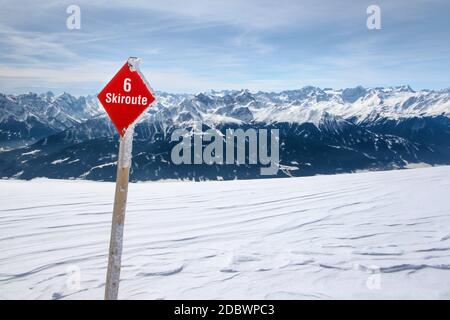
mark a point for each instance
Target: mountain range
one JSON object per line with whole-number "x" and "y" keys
{"x": 322, "y": 131}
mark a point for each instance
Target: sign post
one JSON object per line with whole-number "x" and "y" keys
{"x": 118, "y": 218}
{"x": 124, "y": 98}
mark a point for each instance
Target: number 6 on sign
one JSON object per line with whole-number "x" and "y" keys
{"x": 127, "y": 85}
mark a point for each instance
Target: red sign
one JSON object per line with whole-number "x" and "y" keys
{"x": 126, "y": 97}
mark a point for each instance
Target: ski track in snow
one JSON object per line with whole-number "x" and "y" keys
{"x": 365, "y": 235}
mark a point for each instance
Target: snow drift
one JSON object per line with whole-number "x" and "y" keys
{"x": 365, "y": 235}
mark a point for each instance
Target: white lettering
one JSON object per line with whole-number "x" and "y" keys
{"x": 132, "y": 100}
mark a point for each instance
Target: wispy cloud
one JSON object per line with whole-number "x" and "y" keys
{"x": 190, "y": 46}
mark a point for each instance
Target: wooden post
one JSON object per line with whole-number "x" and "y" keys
{"x": 118, "y": 218}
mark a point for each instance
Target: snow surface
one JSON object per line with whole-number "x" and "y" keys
{"x": 364, "y": 235}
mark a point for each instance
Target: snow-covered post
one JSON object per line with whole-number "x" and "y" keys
{"x": 118, "y": 219}
{"x": 125, "y": 98}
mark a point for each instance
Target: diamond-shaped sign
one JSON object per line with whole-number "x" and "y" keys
{"x": 126, "y": 96}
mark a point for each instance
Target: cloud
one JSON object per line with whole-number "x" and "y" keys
{"x": 33, "y": 48}
{"x": 96, "y": 75}
{"x": 197, "y": 45}
{"x": 251, "y": 14}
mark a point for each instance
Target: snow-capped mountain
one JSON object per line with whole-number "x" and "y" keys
{"x": 28, "y": 117}
{"x": 321, "y": 131}
{"x": 308, "y": 104}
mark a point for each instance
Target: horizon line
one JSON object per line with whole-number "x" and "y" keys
{"x": 238, "y": 90}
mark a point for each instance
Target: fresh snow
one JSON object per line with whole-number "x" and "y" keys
{"x": 60, "y": 160}
{"x": 308, "y": 104}
{"x": 31, "y": 152}
{"x": 365, "y": 235}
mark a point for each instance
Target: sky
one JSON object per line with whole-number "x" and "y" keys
{"x": 188, "y": 46}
